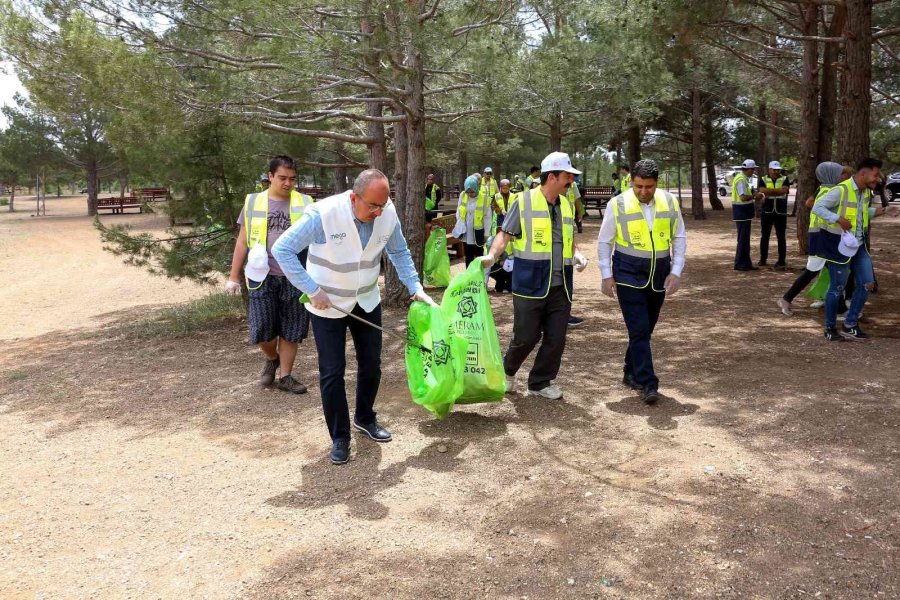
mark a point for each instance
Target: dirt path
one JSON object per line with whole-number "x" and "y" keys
{"x": 770, "y": 469}
{"x": 58, "y": 277}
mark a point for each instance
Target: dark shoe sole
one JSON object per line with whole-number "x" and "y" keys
{"x": 852, "y": 338}
{"x": 340, "y": 462}
{"x": 369, "y": 435}
{"x": 650, "y": 398}
{"x": 295, "y": 392}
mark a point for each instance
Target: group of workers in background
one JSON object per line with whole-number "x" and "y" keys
{"x": 318, "y": 264}
{"x": 839, "y": 240}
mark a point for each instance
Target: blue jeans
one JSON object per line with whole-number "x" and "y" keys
{"x": 331, "y": 342}
{"x": 861, "y": 266}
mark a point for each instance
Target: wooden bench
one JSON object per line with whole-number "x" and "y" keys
{"x": 117, "y": 205}
{"x": 314, "y": 191}
{"x": 597, "y": 196}
{"x": 447, "y": 222}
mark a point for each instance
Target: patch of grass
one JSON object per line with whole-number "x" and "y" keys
{"x": 12, "y": 376}
{"x": 190, "y": 317}
{"x": 4, "y": 201}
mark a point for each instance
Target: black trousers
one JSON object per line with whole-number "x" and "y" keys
{"x": 780, "y": 223}
{"x": 503, "y": 279}
{"x": 331, "y": 342}
{"x": 473, "y": 251}
{"x": 803, "y": 280}
{"x": 742, "y": 258}
{"x": 640, "y": 308}
{"x": 544, "y": 320}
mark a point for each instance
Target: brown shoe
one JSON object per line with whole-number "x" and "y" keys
{"x": 267, "y": 377}
{"x": 289, "y": 384}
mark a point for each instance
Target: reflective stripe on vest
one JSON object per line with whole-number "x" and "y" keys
{"x": 625, "y": 183}
{"x": 770, "y": 204}
{"x": 534, "y": 248}
{"x": 256, "y": 214}
{"x": 481, "y": 203}
{"x": 849, "y": 208}
{"x": 536, "y": 241}
{"x": 633, "y": 236}
{"x": 342, "y": 267}
{"x": 735, "y": 197}
{"x": 815, "y": 223}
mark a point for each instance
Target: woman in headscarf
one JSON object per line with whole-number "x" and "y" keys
{"x": 473, "y": 219}
{"x": 829, "y": 175}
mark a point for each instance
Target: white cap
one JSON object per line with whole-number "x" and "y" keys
{"x": 775, "y": 165}
{"x": 558, "y": 161}
{"x": 257, "y": 266}
{"x": 748, "y": 164}
{"x": 488, "y": 170}
{"x": 848, "y": 245}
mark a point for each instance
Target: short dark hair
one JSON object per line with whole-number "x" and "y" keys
{"x": 625, "y": 167}
{"x": 281, "y": 160}
{"x": 533, "y": 169}
{"x": 869, "y": 163}
{"x": 546, "y": 175}
{"x": 646, "y": 168}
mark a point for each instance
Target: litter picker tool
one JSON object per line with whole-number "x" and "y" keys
{"x": 304, "y": 299}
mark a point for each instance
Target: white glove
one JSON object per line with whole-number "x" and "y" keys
{"x": 319, "y": 299}
{"x": 232, "y": 288}
{"x": 580, "y": 262}
{"x": 487, "y": 260}
{"x": 421, "y": 296}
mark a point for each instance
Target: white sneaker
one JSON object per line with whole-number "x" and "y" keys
{"x": 817, "y": 304}
{"x": 551, "y": 392}
{"x": 511, "y": 385}
{"x": 785, "y": 307}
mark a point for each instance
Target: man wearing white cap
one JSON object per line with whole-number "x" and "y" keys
{"x": 742, "y": 213}
{"x": 541, "y": 225}
{"x": 774, "y": 187}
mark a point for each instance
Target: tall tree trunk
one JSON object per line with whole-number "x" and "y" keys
{"x": 12, "y": 197}
{"x": 809, "y": 122}
{"x": 634, "y": 143}
{"x": 709, "y": 146}
{"x": 395, "y": 292}
{"x": 463, "y": 163}
{"x": 93, "y": 185}
{"x": 762, "y": 128}
{"x": 413, "y": 226}
{"x": 828, "y": 99}
{"x": 378, "y": 150}
{"x": 697, "y": 155}
{"x": 857, "y": 101}
{"x": 775, "y": 137}
{"x": 340, "y": 173}
{"x": 556, "y": 130}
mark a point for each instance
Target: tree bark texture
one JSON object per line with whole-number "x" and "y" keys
{"x": 857, "y": 98}
{"x": 762, "y": 143}
{"x": 828, "y": 100}
{"x": 809, "y": 123}
{"x": 634, "y": 144}
{"x": 714, "y": 201}
{"x": 697, "y": 155}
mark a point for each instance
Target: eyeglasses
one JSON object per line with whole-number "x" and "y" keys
{"x": 376, "y": 207}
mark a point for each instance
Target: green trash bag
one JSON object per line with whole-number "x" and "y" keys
{"x": 467, "y": 308}
{"x": 436, "y": 264}
{"x": 820, "y": 287}
{"x": 435, "y": 379}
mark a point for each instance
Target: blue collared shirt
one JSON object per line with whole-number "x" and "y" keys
{"x": 308, "y": 230}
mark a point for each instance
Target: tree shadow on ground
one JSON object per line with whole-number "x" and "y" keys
{"x": 660, "y": 415}
{"x": 357, "y": 483}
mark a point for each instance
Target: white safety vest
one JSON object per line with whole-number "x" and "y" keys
{"x": 345, "y": 270}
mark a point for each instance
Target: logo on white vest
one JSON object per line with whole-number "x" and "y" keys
{"x": 384, "y": 239}
{"x": 338, "y": 238}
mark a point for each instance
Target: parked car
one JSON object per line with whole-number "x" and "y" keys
{"x": 892, "y": 186}
{"x": 724, "y": 180}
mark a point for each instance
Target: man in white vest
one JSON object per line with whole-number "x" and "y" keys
{"x": 346, "y": 235}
